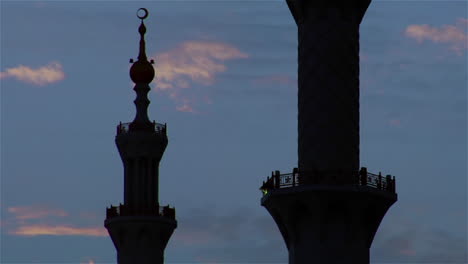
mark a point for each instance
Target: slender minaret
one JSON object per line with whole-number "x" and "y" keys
{"x": 140, "y": 228}
{"x": 328, "y": 210}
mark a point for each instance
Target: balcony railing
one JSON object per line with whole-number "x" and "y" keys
{"x": 124, "y": 210}
{"x": 362, "y": 178}
{"x": 123, "y": 128}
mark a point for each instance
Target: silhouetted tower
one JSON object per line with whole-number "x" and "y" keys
{"x": 328, "y": 210}
{"x": 140, "y": 228}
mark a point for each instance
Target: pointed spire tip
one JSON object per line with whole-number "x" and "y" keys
{"x": 142, "y": 71}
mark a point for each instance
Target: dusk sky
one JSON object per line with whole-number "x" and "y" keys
{"x": 226, "y": 85}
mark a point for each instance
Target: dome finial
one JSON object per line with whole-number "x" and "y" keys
{"x": 142, "y": 71}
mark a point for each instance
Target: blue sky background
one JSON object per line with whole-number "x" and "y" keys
{"x": 227, "y": 130}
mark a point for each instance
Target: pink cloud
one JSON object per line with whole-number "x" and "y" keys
{"x": 57, "y": 230}
{"x": 454, "y": 35}
{"x": 34, "y": 212}
{"x": 192, "y": 62}
{"x": 31, "y": 221}
{"x": 47, "y": 74}
{"x": 185, "y": 108}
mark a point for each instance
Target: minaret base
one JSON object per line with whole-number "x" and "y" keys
{"x": 328, "y": 223}
{"x": 140, "y": 239}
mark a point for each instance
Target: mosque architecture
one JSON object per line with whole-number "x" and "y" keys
{"x": 328, "y": 209}
{"x": 140, "y": 228}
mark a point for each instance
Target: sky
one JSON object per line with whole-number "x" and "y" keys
{"x": 226, "y": 85}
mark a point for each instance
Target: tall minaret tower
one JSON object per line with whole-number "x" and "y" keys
{"x": 328, "y": 210}
{"x": 140, "y": 228}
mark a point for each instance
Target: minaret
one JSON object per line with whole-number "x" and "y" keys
{"x": 328, "y": 210}
{"x": 140, "y": 228}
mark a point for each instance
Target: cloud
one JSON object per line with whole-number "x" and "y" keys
{"x": 57, "y": 230}
{"x": 420, "y": 245}
{"x": 454, "y": 35}
{"x": 41, "y": 220}
{"x": 195, "y": 230}
{"x": 404, "y": 238}
{"x": 195, "y": 61}
{"x": 185, "y": 108}
{"x": 47, "y": 74}
{"x": 444, "y": 247}
{"x": 33, "y": 212}
{"x": 207, "y": 233}
{"x": 396, "y": 247}
{"x": 192, "y": 62}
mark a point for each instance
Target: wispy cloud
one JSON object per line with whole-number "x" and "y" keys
{"x": 195, "y": 61}
{"x": 209, "y": 239}
{"x": 57, "y": 230}
{"x": 34, "y": 212}
{"x": 208, "y": 232}
{"x": 47, "y": 74}
{"x": 192, "y": 62}
{"x": 454, "y": 35}
{"x": 195, "y": 231}
{"x": 185, "y": 108}
{"x": 43, "y": 220}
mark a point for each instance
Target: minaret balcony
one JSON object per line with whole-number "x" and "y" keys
{"x": 296, "y": 178}
{"x": 124, "y": 210}
{"x": 124, "y": 128}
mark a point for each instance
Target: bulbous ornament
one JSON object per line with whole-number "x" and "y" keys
{"x": 142, "y": 72}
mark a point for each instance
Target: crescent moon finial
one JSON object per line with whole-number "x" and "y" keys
{"x": 145, "y": 14}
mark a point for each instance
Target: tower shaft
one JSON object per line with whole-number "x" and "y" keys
{"x": 328, "y": 86}
{"x": 141, "y": 153}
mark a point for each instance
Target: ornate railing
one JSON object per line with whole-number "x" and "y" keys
{"x": 123, "y": 128}
{"x": 362, "y": 178}
{"x": 124, "y": 210}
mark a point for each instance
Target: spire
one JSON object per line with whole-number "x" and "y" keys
{"x": 142, "y": 73}
{"x": 142, "y": 30}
